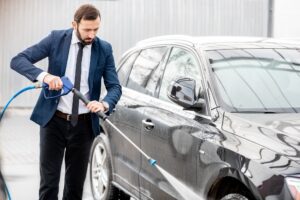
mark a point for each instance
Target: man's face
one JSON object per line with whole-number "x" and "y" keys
{"x": 86, "y": 30}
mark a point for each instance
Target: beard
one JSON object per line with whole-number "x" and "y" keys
{"x": 86, "y": 41}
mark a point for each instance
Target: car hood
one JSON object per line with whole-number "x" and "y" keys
{"x": 277, "y": 132}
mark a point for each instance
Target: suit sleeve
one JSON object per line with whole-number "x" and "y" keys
{"x": 111, "y": 81}
{"x": 24, "y": 62}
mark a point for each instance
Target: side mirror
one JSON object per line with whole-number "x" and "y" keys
{"x": 182, "y": 92}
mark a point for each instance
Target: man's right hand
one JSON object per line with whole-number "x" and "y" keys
{"x": 54, "y": 82}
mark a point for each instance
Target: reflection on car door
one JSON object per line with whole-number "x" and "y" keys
{"x": 141, "y": 85}
{"x": 166, "y": 134}
{"x": 171, "y": 144}
{"x": 126, "y": 160}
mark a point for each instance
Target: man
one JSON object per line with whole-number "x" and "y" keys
{"x": 66, "y": 127}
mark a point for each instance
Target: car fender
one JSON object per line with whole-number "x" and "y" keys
{"x": 226, "y": 173}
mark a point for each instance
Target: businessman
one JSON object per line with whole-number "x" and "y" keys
{"x": 67, "y": 126}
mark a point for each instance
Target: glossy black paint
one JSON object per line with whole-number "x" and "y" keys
{"x": 211, "y": 151}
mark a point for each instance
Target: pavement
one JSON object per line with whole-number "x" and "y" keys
{"x": 19, "y": 147}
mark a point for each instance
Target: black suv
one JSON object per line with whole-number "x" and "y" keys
{"x": 219, "y": 114}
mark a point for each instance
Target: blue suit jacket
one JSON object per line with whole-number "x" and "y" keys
{"x": 56, "y": 47}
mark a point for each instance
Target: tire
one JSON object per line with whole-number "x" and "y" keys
{"x": 101, "y": 173}
{"x": 234, "y": 196}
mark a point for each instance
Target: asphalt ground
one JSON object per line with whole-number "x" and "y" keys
{"x": 19, "y": 151}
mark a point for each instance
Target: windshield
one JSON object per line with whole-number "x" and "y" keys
{"x": 257, "y": 80}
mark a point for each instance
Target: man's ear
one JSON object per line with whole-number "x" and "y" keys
{"x": 74, "y": 25}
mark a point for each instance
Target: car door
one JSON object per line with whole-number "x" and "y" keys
{"x": 134, "y": 75}
{"x": 167, "y": 134}
{"x": 125, "y": 161}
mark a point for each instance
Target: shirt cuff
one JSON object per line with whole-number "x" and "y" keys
{"x": 41, "y": 77}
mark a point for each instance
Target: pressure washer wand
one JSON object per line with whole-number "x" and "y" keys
{"x": 103, "y": 116}
{"x": 68, "y": 87}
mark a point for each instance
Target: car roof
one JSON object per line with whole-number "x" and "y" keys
{"x": 222, "y": 42}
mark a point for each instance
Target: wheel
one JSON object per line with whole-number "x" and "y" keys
{"x": 101, "y": 173}
{"x": 234, "y": 196}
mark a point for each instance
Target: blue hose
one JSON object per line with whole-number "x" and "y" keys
{"x": 1, "y": 115}
{"x": 17, "y": 94}
{"x": 67, "y": 87}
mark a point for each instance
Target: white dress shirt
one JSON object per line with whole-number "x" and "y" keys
{"x": 65, "y": 103}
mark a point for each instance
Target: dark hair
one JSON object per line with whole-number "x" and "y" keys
{"x": 86, "y": 12}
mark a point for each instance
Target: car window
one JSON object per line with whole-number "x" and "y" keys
{"x": 125, "y": 68}
{"x": 146, "y": 70}
{"x": 181, "y": 63}
{"x": 257, "y": 80}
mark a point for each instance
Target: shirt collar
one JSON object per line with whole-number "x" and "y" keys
{"x": 75, "y": 39}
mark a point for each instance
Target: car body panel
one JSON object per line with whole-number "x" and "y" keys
{"x": 126, "y": 160}
{"x": 173, "y": 140}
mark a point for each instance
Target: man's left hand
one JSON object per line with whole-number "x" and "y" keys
{"x": 96, "y": 106}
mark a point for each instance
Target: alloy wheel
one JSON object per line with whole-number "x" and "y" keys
{"x": 100, "y": 172}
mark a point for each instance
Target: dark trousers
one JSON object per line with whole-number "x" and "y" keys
{"x": 59, "y": 137}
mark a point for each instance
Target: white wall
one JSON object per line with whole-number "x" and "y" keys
{"x": 286, "y": 19}
{"x": 124, "y": 22}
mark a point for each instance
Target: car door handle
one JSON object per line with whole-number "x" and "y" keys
{"x": 147, "y": 123}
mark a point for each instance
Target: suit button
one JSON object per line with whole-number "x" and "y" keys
{"x": 56, "y": 101}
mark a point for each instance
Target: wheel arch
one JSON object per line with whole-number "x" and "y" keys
{"x": 230, "y": 180}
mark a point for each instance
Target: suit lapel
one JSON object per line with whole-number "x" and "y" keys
{"x": 65, "y": 50}
{"x": 96, "y": 54}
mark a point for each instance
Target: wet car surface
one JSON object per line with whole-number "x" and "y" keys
{"x": 219, "y": 114}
